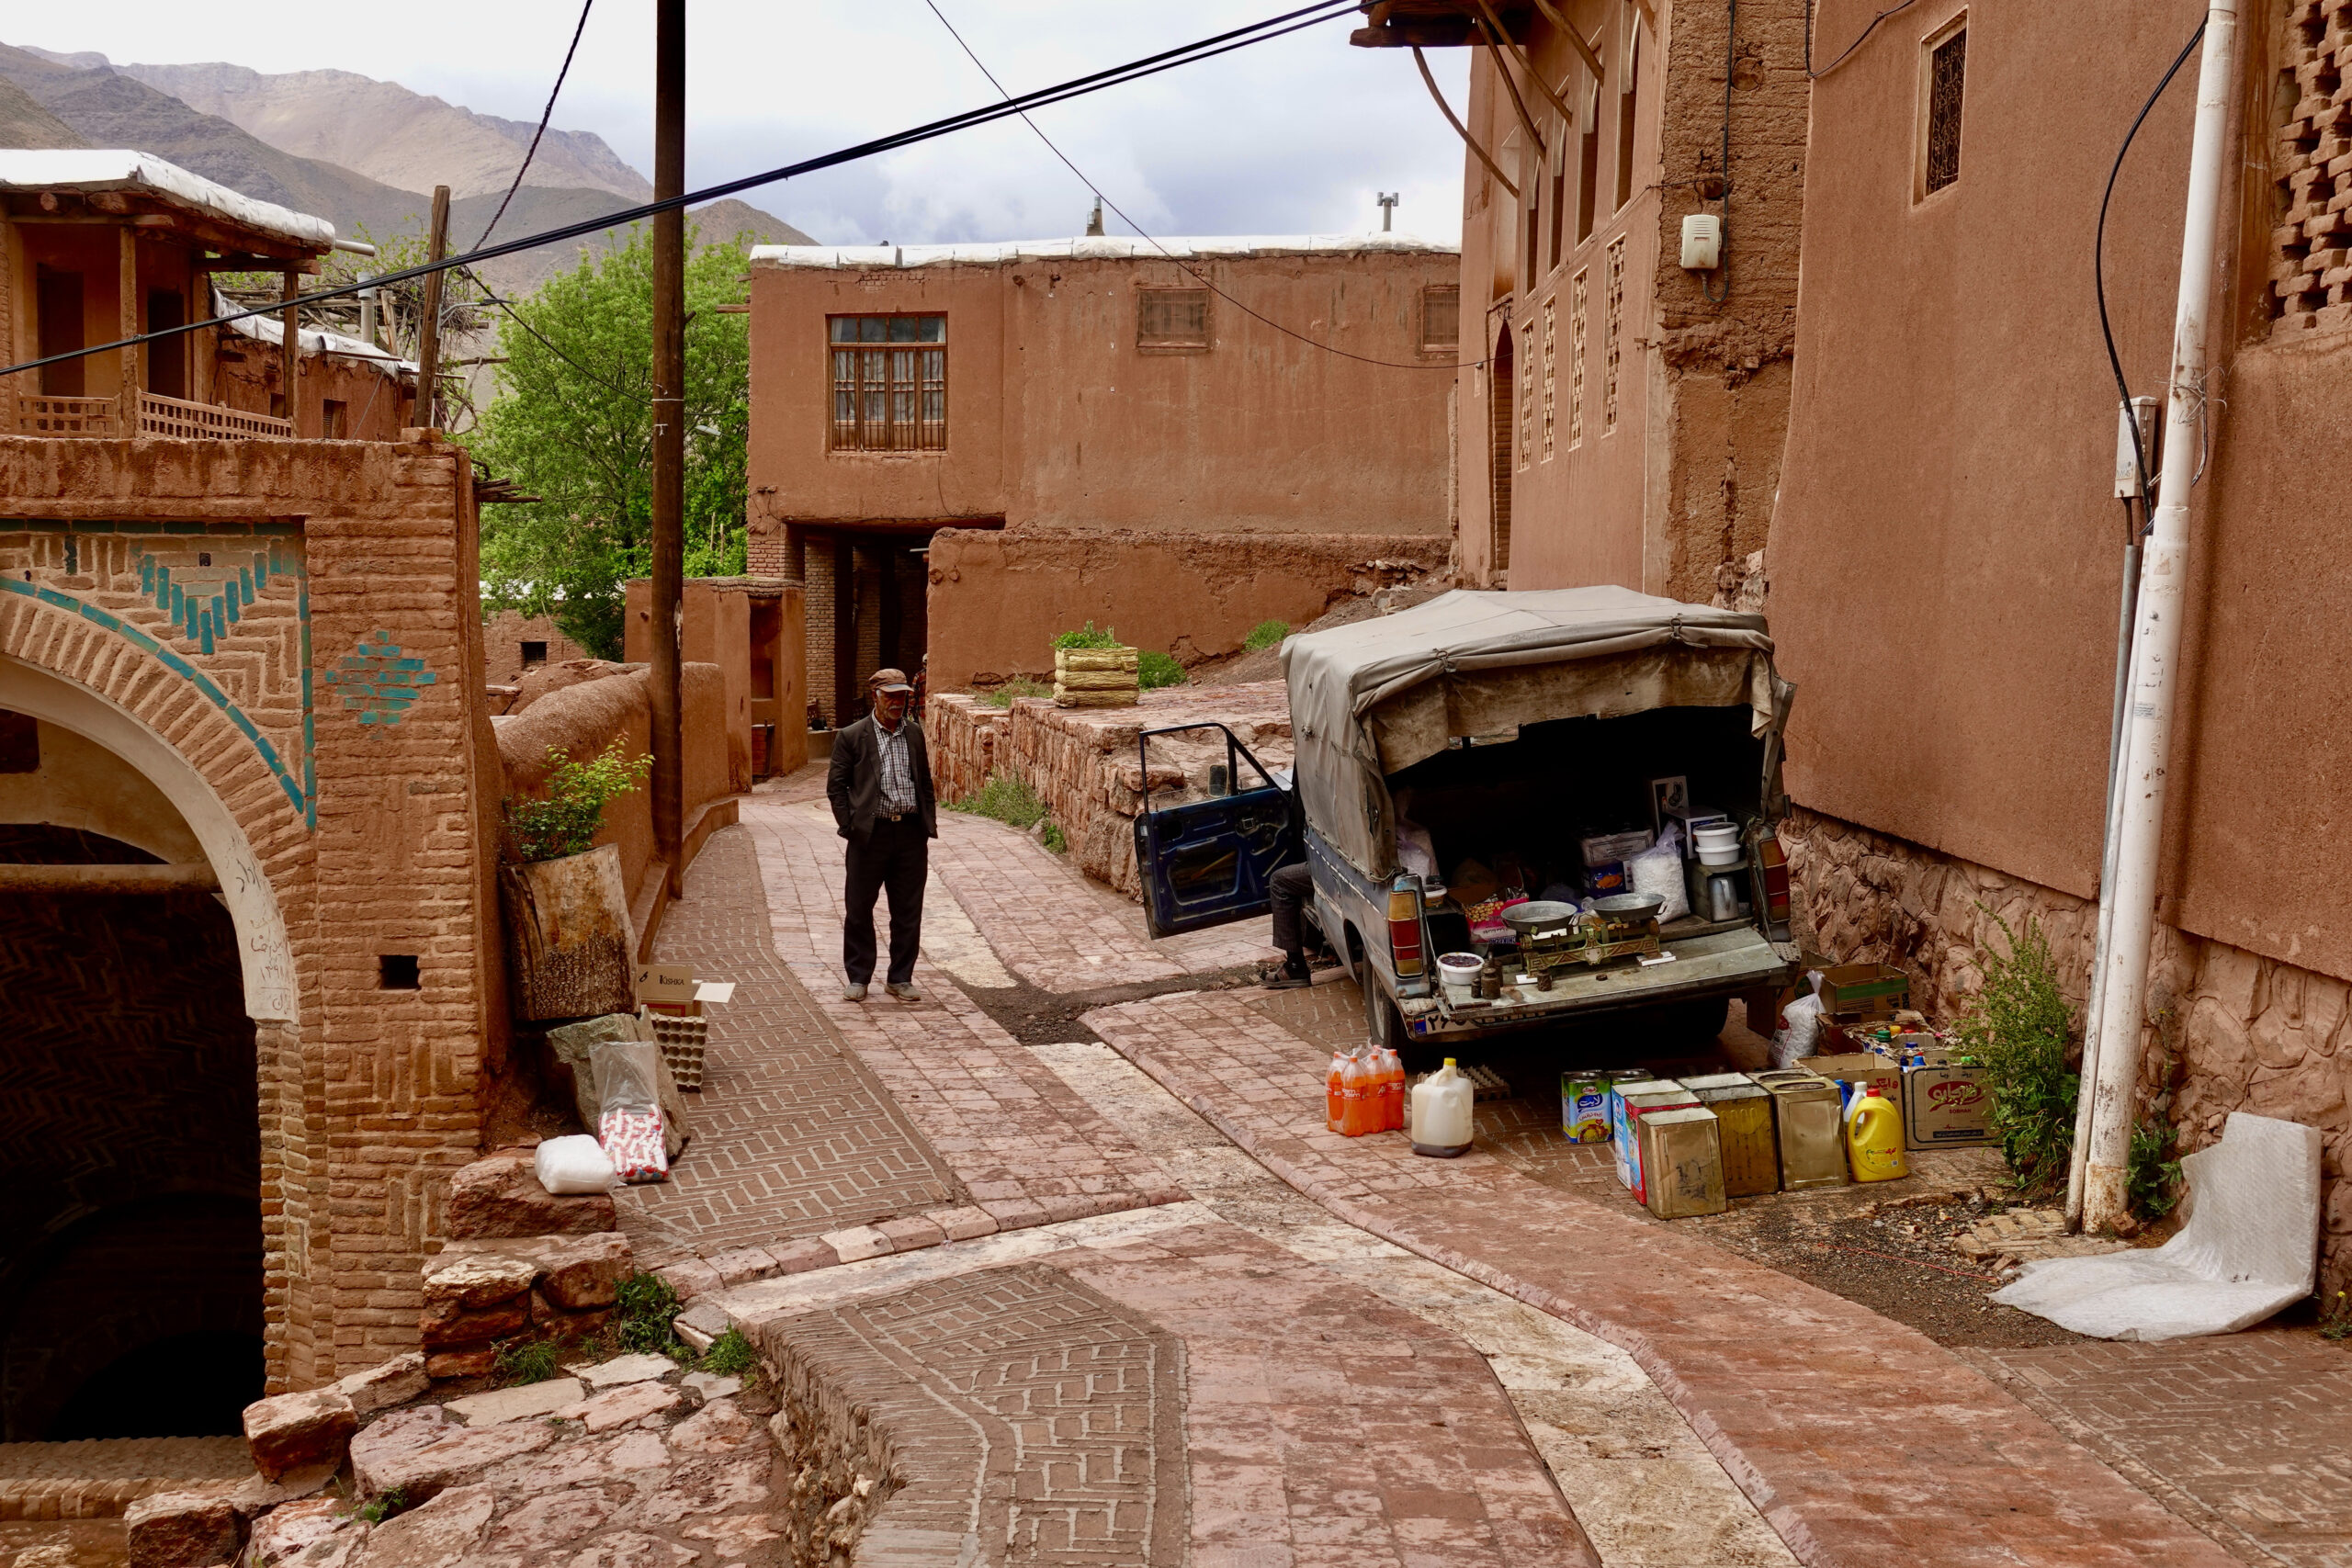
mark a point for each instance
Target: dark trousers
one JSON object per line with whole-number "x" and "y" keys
{"x": 895, "y": 855}
{"x": 1288, "y": 891}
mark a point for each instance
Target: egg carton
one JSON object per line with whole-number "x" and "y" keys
{"x": 682, "y": 1042}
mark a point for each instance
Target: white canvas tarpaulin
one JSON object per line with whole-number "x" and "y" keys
{"x": 1376, "y": 696}
{"x": 2250, "y": 1247}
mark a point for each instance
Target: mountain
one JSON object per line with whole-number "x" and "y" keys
{"x": 385, "y": 132}
{"x": 81, "y": 95}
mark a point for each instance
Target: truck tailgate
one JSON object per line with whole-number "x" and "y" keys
{"x": 1715, "y": 964}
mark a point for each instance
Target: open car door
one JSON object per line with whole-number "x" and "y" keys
{"x": 1203, "y": 860}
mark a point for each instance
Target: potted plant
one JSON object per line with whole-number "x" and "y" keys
{"x": 1093, "y": 669}
{"x": 565, "y": 901}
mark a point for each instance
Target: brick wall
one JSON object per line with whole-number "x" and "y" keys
{"x": 823, "y": 622}
{"x": 2226, "y": 1029}
{"x": 320, "y": 680}
{"x": 503, "y": 635}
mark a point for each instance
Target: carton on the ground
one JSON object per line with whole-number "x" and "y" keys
{"x": 669, "y": 987}
{"x": 1945, "y": 1106}
{"x": 1859, "y": 1070}
{"x": 1856, "y": 991}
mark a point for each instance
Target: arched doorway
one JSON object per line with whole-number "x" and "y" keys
{"x": 1502, "y": 378}
{"x": 131, "y": 1257}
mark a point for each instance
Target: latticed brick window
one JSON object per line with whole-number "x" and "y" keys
{"x": 1526, "y": 398}
{"x": 1613, "y": 316}
{"x": 890, "y": 383}
{"x": 1173, "y": 317}
{"x": 1551, "y": 386}
{"x": 1440, "y": 318}
{"x": 1576, "y": 357}
{"x": 2310, "y": 271}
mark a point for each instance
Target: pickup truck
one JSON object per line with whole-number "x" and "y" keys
{"x": 1486, "y": 730}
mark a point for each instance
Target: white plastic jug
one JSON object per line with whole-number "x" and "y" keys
{"x": 1441, "y": 1113}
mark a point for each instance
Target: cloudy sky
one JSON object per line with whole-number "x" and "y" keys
{"x": 1291, "y": 136}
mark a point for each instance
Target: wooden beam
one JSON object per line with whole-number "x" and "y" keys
{"x": 428, "y": 331}
{"x": 1499, "y": 43}
{"x": 1584, "y": 49}
{"x": 1462, "y": 130}
{"x": 195, "y": 878}
{"x": 289, "y": 350}
{"x": 1417, "y": 32}
{"x": 127, "y": 319}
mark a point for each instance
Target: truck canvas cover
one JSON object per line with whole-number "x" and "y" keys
{"x": 1376, "y": 696}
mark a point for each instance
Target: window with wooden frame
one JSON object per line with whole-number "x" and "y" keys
{"x": 1559, "y": 196}
{"x": 1943, "y": 69}
{"x": 1173, "y": 319}
{"x": 1440, "y": 318}
{"x": 890, "y": 383}
{"x": 1551, "y": 395}
{"x": 1576, "y": 357}
{"x": 1629, "y": 106}
{"x": 1587, "y": 160}
{"x": 1612, "y": 323}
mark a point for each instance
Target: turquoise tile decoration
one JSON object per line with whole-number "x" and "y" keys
{"x": 377, "y": 680}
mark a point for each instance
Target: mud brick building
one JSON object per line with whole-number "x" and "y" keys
{"x": 239, "y": 680}
{"x": 1621, "y": 417}
{"x": 1947, "y": 548}
{"x": 962, "y": 450}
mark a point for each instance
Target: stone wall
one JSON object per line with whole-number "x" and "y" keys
{"x": 2227, "y": 1029}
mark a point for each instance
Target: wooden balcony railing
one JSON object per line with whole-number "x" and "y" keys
{"x": 147, "y": 415}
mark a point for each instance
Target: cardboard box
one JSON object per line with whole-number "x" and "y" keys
{"x": 1855, "y": 991}
{"x": 1945, "y": 1107}
{"x": 1859, "y": 1071}
{"x": 666, "y": 985}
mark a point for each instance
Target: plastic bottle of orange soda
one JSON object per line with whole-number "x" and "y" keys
{"x": 1332, "y": 1102}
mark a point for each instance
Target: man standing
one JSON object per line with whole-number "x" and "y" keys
{"x": 879, "y": 786}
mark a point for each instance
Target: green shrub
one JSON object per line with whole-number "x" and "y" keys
{"x": 1088, "y": 638}
{"x": 1008, "y": 799}
{"x": 646, "y": 1315}
{"x": 2018, "y": 1029}
{"x": 376, "y": 1510}
{"x": 1054, "y": 839}
{"x": 1155, "y": 669}
{"x": 2152, "y": 1181}
{"x": 2336, "y": 1318}
{"x": 1018, "y": 686}
{"x": 732, "y": 1356}
{"x": 565, "y": 823}
{"x": 535, "y": 1361}
{"x": 1266, "y": 634}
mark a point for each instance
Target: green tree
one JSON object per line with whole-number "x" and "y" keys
{"x": 573, "y": 426}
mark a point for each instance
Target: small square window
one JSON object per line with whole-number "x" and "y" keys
{"x": 1947, "y": 80}
{"x": 1173, "y": 317}
{"x": 534, "y": 655}
{"x": 398, "y": 972}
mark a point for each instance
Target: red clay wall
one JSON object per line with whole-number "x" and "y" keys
{"x": 503, "y": 635}
{"x": 998, "y": 599}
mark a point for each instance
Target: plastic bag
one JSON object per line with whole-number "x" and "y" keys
{"x": 569, "y": 1167}
{"x": 629, "y": 1128}
{"x": 1657, "y": 870}
{"x": 1795, "y": 1042}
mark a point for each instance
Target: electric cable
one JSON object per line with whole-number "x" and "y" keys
{"x": 524, "y": 321}
{"x": 1198, "y": 277}
{"x": 2099, "y": 281}
{"x": 1723, "y": 240}
{"x": 545, "y": 115}
{"x": 1117, "y": 75}
{"x": 1815, "y": 75}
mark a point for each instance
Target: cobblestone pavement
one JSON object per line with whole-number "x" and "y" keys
{"x": 792, "y": 1135}
{"x": 1157, "y": 1387}
{"x": 1858, "y": 1439}
{"x": 1025, "y": 1148}
{"x": 2243, "y": 1434}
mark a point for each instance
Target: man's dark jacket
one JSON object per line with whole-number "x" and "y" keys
{"x": 853, "y": 783}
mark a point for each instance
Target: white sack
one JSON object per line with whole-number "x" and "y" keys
{"x": 1794, "y": 1042}
{"x": 1658, "y": 870}
{"x": 569, "y": 1167}
{"x": 2250, "y": 1247}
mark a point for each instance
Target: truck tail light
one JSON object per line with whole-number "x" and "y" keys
{"x": 1775, "y": 863}
{"x": 1405, "y": 927}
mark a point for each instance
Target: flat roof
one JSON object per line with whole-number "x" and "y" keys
{"x": 1093, "y": 247}
{"x": 89, "y": 170}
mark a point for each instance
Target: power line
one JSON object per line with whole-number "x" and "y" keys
{"x": 1076, "y": 87}
{"x": 1198, "y": 277}
{"x": 1845, "y": 53}
{"x": 524, "y": 321}
{"x": 545, "y": 115}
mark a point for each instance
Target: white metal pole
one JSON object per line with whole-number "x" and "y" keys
{"x": 2155, "y": 654}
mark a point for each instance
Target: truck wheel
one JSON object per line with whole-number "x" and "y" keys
{"x": 1382, "y": 1024}
{"x": 1693, "y": 1025}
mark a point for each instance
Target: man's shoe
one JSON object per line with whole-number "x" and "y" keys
{"x": 1283, "y": 977}
{"x": 855, "y": 991}
{"x": 904, "y": 990}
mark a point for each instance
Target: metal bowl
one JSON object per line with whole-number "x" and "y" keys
{"x": 1628, "y": 908}
{"x": 1537, "y": 914}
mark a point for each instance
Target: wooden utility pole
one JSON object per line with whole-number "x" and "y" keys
{"x": 428, "y": 331}
{"x": 289, "y": 348}
{"x": 669, "y": 425}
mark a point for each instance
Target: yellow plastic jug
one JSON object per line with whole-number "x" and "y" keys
{"x": 1874, "y": 1139}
